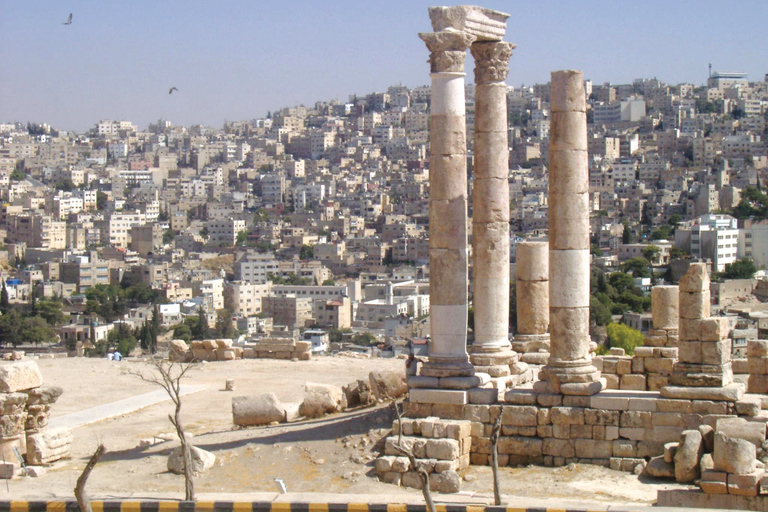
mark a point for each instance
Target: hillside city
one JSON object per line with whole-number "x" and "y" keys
{"x": 312, "y": 222}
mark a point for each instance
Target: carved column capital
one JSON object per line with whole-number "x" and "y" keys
{"x": 448, "y": 50}
{"x": 491, "y": 60}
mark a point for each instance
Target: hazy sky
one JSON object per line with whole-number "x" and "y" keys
{"x": 236, "y": 60}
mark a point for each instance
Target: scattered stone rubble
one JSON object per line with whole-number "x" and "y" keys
{"x": 25, "y": 406}
{"x": 223, "y": 350}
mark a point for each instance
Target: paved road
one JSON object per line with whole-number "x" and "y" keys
{"x": 118, "y": 408}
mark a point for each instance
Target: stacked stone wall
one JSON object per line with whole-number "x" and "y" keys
{"x": 222, "y": 350}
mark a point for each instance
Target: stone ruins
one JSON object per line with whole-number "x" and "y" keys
{"x": 671, "y": 401}
{"x": 25, "y": 406}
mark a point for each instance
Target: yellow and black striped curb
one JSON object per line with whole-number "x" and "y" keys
{"x": 247, "y": 506}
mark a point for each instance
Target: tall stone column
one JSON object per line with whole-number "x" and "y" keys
{"x": 448, "y": 255}
{"x": 569, "y": 369}
{"x": 532, "y": 294}
{"x": 491, "y": 352}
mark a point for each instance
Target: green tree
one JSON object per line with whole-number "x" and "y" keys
{"x": 10, "y": 332}
{"x": 224, "y": 327}
{"x": 36, "y": 330}
{"x": 107, "y": 301}
{"x": 306, "y": 252}
{"x": 329, "y": 282}
{"x": 241, "y": 237}
{"x": 638, "y": 267}
{"x": 595, "y": 250}
{"x": 651, "y": 253}
{"x": 626, "y": 235}
{"x": 599, "y": 312}
{"x": 743, "y": 268}
{"x": 623, "y": 336}
{"x": 168, "y": 236}
{"x": 141, "y": 292}
{"x": 201, "y": 330}
{"x": 676, "y": 253}
{"x": 101, "y": 200}
{"x": 5, "y": 304}
{"x": 363, "y": 338}
{"x": 51, "y": 311}
{"x": 182, "y": 332}
{"x": 122, "y": 339}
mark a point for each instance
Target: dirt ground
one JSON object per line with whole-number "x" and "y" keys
{"x": 330, "y": 455}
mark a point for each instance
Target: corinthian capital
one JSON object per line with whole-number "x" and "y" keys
{"x": 491, "y": 60}
{"x": 447, "y": 50}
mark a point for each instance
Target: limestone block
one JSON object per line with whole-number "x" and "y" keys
{"x": 657, "y": 467}
{"x": 532, "y": 261}
{"x": 733, "y": 455}
{"x": 225, "y": 354}
{"x": 689, "y": 330}
{"x": 757, "y": 384}
{"x": 202, "y": 460}
{"x": 687, "y": 456}
{"x": 757, "y": 365}
{"x": 48, "y": 446}
{"x": 223, "y": 343}
{"x": 592, "y": 449}
{"x": 178, "y": 350}
{"x": 448, "y": 276}
{"x": 716, "y": 352}
{"x": 696, "y": 279}
{"x": 695, "y": 305}
{"x": 532, "y": 306}
{"x": 740, "y": 366}
{"x": 387, "y": 384}
{"x": 257, "y": 410}
{"x": 558, "y": 447}
{"x": 731, "y": 392}
{"x": 745, "y": 485}
{"x": 522, "y": 446}
{"x": 757, "y": 348}
{"x": 442, "y": 449}
{"x": 479, "y": 22}
{"x": 568, "y": 132}
{"x": 567, "y": 91}
{"x": 567, "y": 415}
{"x": 483, "y": 395}
{"x": 661, "y": 365}
{"x": 569, "y": 278}
{"x": 19, "y": 375}
{"x": 210, "y": 344}
{"x": 452, "y": 181}
{"x": 714, "y": 482}
{"x": 624, "y": 366}
{"x": 438, "y": 396}
{"x": 664, "y": 306}
{"x": 714, "y": 329}
{"x": 320, "y": 399}
{"x": 520, "y": 415}
{"x": 690, "y": 352}
{"x": 740, "y": 428}
{"x": 445, "y": 482}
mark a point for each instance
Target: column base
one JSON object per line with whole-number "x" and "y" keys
{"x": 495, "y": 361}
{"x": 571, "y": 377}
{"x": 526, "y": 343}
{"x": 445, "y": 367}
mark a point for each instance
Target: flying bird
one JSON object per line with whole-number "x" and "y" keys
{"x": 69, "y": 20}
{"x": 170, "y": 91}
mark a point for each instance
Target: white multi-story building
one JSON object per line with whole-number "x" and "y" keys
{"x": 255, "y": 268}
{"x": 224, "y": 231}
{"x": 713, "y": 237}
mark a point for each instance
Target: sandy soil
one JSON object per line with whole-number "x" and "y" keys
{"x": 331, "y": 455}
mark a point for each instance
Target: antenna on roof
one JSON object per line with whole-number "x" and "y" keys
{"x": 710, "y": 70}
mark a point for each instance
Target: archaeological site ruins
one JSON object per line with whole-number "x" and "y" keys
{"x": 674, "y": 409}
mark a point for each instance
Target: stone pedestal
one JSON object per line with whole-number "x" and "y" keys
{"x": 448, "y": 255}
{"x": 704, "y": 350}
{"x": 569, "y": 369}
{"x": 491, "y": 352}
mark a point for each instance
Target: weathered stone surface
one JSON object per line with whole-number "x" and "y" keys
{"x": 696, "y": 279}
{"x": 257, "y": 410}
{"x": 178, "y": 350}
{"x": 739, "y": 428}
{"x": 48, "y": 446}
{"x": 657, "y": 467}
{"x": 478, "y": 22}
{"x": 445, "y": 481}
{"x": 201, "y": 461}
{"x": 687, "y": 456}
{"x": 714, "y": 482}
{"x": 358, "y": 393}
{"x": 44, "y": 395}
{"x": 386, "y": 384}
{"x": 733, "y": 455}
{"x": 745, "y": 485}
{"x": 664, "y": 306}
{"x": 19, "y": 376}
{"x": 321, "y": 399}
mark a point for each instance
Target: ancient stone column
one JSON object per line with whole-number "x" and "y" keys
{"x": 532, "y": 297}
{"x": 703, "y": 370}
{"x": 491, "y": 351}
{"x": 664, "y": 311}
{"x": 569, "y": 369}
{"x": 448, "y": 255}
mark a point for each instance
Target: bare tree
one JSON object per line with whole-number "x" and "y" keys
{"x": 495, "y": 430}
{"x": 168, "y": 375}
{"x": 419, "y": 469}
{"x": 83, "y": 500}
